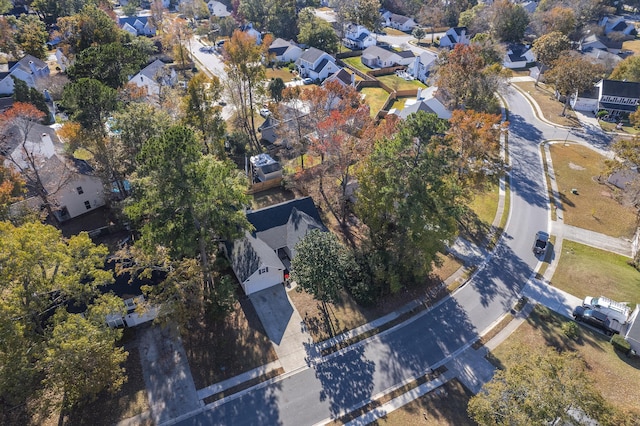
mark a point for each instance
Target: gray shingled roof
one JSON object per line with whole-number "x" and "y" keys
{"x": 311, "y": 54}
{"x": 626, "y": 89}
{"x": 400, "y": 19}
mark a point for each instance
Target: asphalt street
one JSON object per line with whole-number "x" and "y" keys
{"x": 348, "y": 379}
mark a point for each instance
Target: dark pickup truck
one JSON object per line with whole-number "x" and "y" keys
{"x": 596, "y": 319}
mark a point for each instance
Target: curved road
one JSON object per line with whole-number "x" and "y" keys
{"x": 342, "y": 382}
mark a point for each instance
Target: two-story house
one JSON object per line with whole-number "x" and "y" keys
{"x": 316, "y": 64}
{"x": 518, "y": 56}
{"x": 422, "y": 65}
{"x": 618, "y": 98}
{"x": 612, "y": 24}
{"x": 28, "y": 69}
{"x": 137, "y": 25}
{"x": 456, "y": 35}
{"x": 358, "y": 37}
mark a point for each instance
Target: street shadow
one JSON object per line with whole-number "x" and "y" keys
{"x": 346, "y": 380}
{"x": 258, "y": 407}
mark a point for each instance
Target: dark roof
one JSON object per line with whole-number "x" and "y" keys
{"x": 278, "y": 51}
{"x": 451, "y": 39}
{"x": 278, "y": 215}
{"x": 459, "y": 30}
{"x": 517, "y": 52}
{"x": 363, "y": 36}
{"x": 626, "y": 89}
{"x": 406, "y": 54}
{"x": 620, "y": 26}
{"x": 132, "y": 20}
{"x": 342, "y": 75}
{"x": 311, "y": 54}
{"x": 270, "y": 168}
{"x": 5, "y": 103}
{"x": 321, "y": 65}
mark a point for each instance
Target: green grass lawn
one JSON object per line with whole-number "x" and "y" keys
{"x": 393, "y": 32}
{"x": 633, "y": 45}
{"x": 282, "y": 73}
{"x": 615, "y": 375}
{"x": 397, "y": 83}
{"x": 587, "y": 271}
{"x": 375, "y": 97}
{"x": 595, "y": 206}
{"x": 485, "y": 203}
{"x": 356, "y": 63}
{"x": 399, "y": 102}
{"x": 626, "y": 128}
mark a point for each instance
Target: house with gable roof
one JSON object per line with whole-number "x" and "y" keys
{"x": 455, "y": 35}
{"x": 70, "y": 182}
{"x": 28, "y": 69}
{"x": 137, "y": 25}
{"x": 618, "y": 98}
{"x": 422, "y": 65}
{"x": 426, "y": 101}
{"x": 262, "y": 258}
{"x": 284, "y": 51}
{"x": 400, "y": 22}
{"x": 379, "y": 57}
{"x": 316, "y": 64}
{"x": 248, "y": 28}
{"x": 612, "y": 24}
{"x": 154, "y": 77}
{"x": 344, "y": 77}
{"x": 594, "y": 41}
{"x": 358, "y": 37}
{"x": 518, "y": 56}
{"x": 218, "y": 9}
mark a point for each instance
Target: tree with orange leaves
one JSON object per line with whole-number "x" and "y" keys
{"x": 476, "y": 138}
{"x": 11, "y": 189}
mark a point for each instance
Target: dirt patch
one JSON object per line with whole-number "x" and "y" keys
{"x": 219, "y": 350}
{"x": 574, "y": 166}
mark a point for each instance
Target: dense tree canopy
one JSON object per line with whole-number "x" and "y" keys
{"x": 628, "y": 69}
{"x": 90, "y": 103}
{"x": 31, "y": 36}
{"x": 202, "y": 113}
{"x": 316, "y": 32}
{"x": 509, "y": 21}
{"x": 91, "y": 26}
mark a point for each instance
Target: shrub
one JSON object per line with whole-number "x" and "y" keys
{"x": 620, "y": 344}
{"x": 571, "y": 330}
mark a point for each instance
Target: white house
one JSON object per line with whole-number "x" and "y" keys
{"x": 453, "y": 36}
{"x": 425, "y": 101}
{"x": 619, "y": 98}
{"x": 284, "y": 51}
{"x": 358, "y": 37}
{"x": 379, "y": 57}
{"x": 70, "y": 182}
{"x": 518, "y": 56}
{"x": 611, "y": 24}
{"x": 137, "y": 25}
{"x": 218, "y": 9}
{"x": 248, "y": 28}
{"x": 400, "y": 22}
{"x": 316, "y": 64}
{"x": 28, "y": 69}
{"x": 154, "y": 77}
{"x": 261, "y": 259}
{"x": 421, "y": 66}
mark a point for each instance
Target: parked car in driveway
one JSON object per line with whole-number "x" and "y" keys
{"x": 541, "y": 243}
{"x": 596, "y": 319}
{"x": 307, "y": 80}
{"x": 265, "y": 112}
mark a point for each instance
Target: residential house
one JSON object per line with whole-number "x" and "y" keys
{"x": 455, "y": 35}
{"x": 265, "y": 168}
{"x": 619, "y": 98}
{"x": 358, "y": 37}
{"x": 62, "y": 60}
{"x": 248, "y": 28}
{"x": 632, "y": 334}
{"x": 316, "y": 64}
{"x": 28, "y": 69}
{"x": 218, "y": 9}
{"x": 594, "y": 41}
{"x": 261, "y": 259}
{"x": 618, "y": 24}
{"x": 400, "y": 22}
{"x": 137, "y": 25}
{"x": 344, "y": 77}
{"x": 291, "y": 118}
{"x": 426, "y": 101}
{"x": 284, "y": 51}
{"x": 70, "y": 182}
{"x": 154, "y": 77}
{"x": 380, "y": 57}
{"x": 608, "y": 60}
{"x": 422, "y": 65}
{"x": 518, "y": 56}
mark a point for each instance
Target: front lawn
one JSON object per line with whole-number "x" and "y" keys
{"x": 633, "y": 45}
{"x": 594, "y": 206}
{"x": 375, "y": 97}
{"x": 587, "y": 271}
{"x": 397, "y": 83}
{"x": 615, "y": 375}
{"x": 551, "y": 108}
{"x": 284, "y": 73}
{"x": 393, "y": 32}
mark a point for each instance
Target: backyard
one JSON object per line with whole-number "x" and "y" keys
{"x": 615, "y": 375}
{"x": 356, "y": 63}
{"x": 592, "y": 205}
{"x": 397, "y": 83}
{"x": 375, "y": 97}
{"x": 587, "y": 271}
{"x": 284, "y": 73}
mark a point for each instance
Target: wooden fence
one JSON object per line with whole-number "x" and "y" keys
{"x": 263, "y": 186}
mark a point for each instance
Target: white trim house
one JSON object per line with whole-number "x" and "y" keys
{"x": 316, "y": 64}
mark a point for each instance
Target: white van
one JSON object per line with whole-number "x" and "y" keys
{"x": 615, "y": 311}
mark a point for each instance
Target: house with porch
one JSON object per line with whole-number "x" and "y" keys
{"x": 28, "y": 69}
{"x": 316, "y": 64}
{"x": 358, "y": 37}
{"x": 262, "y": 258}
{"x": 618, "y": 98}
{"x": 455, "y": 35}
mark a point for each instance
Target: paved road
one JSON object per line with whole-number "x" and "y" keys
{"x": 350, "y": 378}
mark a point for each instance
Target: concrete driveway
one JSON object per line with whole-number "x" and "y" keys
{"x": 283, "y": 326}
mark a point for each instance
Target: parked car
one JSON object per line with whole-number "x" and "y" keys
{"x": 265, "y": 112}
{"x": 596, "y": 319}
{"x": 540, "y": 243}
{"x": 307, "y": 80}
